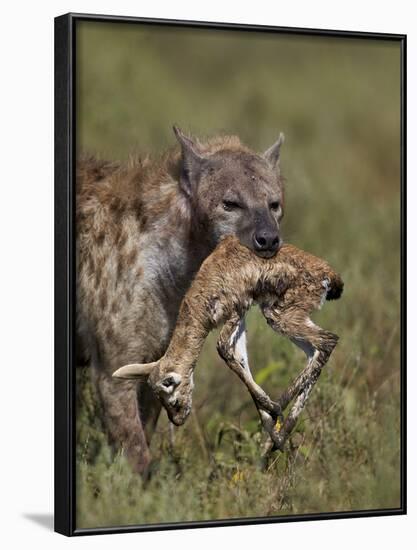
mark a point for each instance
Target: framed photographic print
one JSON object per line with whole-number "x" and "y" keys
{"x": 217, "y": 362}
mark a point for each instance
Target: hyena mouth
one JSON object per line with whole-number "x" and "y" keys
{"x": 267, "y": 253}
{"x": 270, "y": 252}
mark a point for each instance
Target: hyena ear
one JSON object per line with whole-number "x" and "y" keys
{"x": 192, "y": 160}
{"x": 134, "y": 371}
{"x": 273, "y": 153}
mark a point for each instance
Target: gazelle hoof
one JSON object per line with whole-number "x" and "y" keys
{"x": 277, "y": 412}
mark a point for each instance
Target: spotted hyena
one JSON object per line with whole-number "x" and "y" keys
{"x": 143, "y": 230}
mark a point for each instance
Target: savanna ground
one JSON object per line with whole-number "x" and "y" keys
{"x": 338, "y": 102}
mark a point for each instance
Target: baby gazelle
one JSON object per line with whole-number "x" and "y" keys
{"x": 287, "y": 288}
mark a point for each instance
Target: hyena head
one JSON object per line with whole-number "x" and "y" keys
{"x": 234, "y": 191}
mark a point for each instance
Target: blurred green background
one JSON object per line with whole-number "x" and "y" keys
{"x": 338, "y": 103}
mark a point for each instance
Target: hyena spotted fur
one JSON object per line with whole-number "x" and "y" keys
{"x": 143, "y": 230}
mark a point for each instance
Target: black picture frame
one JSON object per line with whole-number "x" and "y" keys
{"x": 65, "y": 109}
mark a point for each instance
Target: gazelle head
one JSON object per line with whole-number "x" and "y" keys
{"x": 173, "y": 389}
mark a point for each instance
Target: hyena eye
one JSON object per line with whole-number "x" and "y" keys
{"x": 230, "y": 205}
{"x": 274, "y": 205}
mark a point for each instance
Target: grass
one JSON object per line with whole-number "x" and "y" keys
{"x": 337, "y": 100}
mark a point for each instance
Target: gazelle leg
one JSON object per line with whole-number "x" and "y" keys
{"x": 317, "y": 349}
{"x": 317, "y": 344}
{"x": 231, "y": 346}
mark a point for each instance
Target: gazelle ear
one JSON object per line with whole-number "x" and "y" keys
{"x": 273, "y": 153}
{"x": 192, "y": 160}
{"x": 134, "y": 371}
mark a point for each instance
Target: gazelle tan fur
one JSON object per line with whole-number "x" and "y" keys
{"x": 287, "y": 287}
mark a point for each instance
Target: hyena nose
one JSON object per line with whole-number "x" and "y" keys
{"x": 266, "y": 241}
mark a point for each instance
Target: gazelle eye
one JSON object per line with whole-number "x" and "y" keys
{"x": 230, "y": 205}
{"x": 274, "y": 205}
{"x": 168, "y": 381}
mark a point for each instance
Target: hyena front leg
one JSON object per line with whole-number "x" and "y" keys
{"x": 317, "y": 344}
{"x": 122, "y": 419}
{"x": 149, "y": 410}
{"x": 231, "y": 346}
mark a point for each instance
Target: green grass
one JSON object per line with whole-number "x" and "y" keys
{"x": 338, "y": 103}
